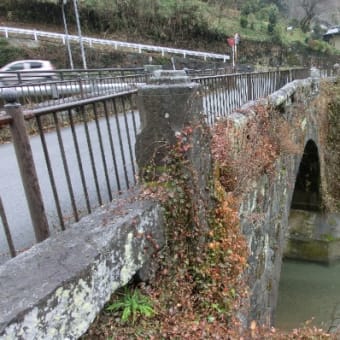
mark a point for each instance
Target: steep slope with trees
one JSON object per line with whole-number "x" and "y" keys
{"x": 197, "y": 24}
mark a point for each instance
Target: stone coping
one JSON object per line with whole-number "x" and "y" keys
{"x": 55, "y": 289}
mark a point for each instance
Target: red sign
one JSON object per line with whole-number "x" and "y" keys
{"x": 231, "y": 42}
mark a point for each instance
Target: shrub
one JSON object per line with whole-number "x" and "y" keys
{"x": 132, "y": 304}
{"x": 8, "y": 53}
{"x": 243, "y": 21}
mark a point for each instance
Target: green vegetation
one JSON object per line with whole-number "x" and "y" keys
{"x": 132, "y": 304}
{"x": 8, "y": 52}
{"x": 191, "y": 24}
{"x": 328, "y": 237}
{"x": 176, "y": 20}
{"x": 332, "y": 141}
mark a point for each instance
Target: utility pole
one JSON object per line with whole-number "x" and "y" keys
{"x": 75, "y": 3}
{"x": 63, "y": 3}
{"x": 231, "y": 43}
{"x": 236, "y": 42}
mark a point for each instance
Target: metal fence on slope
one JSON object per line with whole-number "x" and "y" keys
{"x": 93, "y": 42}
{"x": 72, "y": 85}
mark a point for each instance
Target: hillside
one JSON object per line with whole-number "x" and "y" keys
{"x": 191, "y": 24}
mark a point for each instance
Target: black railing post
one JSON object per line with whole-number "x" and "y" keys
{"x": 26, "y": 165}
{"x": 19, "y": 77}
{"x": 249, "y": 86}
{"x": 7, "y": 230}
{"x": 81, "y": 89}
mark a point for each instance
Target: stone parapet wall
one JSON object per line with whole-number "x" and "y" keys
{"x": 55, "y": 289}
{"x": 267, "y": 201}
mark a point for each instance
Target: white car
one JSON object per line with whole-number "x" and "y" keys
{"x": 23, "y": 71}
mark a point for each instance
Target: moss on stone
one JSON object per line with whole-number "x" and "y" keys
{"x": 312, "y": 250}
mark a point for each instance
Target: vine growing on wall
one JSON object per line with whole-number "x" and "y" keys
{"x": 254, "y": 148}
{"x": 199, "y": 286}
{"x": 200, "y": 275}
{"x": 328, "y": 115}
{"x": 199, "y": 291}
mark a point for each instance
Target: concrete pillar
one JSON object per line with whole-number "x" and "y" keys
{"x": 168, "y": 103}
{"x": 171, "y": 108}
{"x": 315, "y": 72}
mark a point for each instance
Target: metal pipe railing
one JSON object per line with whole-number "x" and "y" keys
{"x": 27, "y": 167}
{"x": 83, "y": 150}
{"x": 34, "y": 76}
{"x": 35, "y": 34}
{"x": 224, "y": 93}
{"x": 57, "y": 92}
{"x": 84, "y": 158}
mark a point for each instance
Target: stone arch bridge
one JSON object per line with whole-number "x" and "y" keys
{"x": 286, "y": 213}
{"x": 84, "y": 265}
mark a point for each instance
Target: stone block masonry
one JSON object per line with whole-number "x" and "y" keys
{"x": 56, "y": 289}
{"x": 268, "y": 200}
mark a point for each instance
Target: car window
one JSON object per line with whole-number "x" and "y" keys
{"x": 35, "y": 64}
{"x": 17, "y": 67}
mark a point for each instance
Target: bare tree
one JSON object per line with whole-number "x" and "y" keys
{"x": 310, "y": 8}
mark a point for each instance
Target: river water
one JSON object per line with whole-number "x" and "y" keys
{"x": 306, "y": 291}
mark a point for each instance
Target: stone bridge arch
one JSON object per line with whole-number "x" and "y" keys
{"x": 295, "y": 185}
{"x": 313, "y": 232}
{"x": 307, "y": 189}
